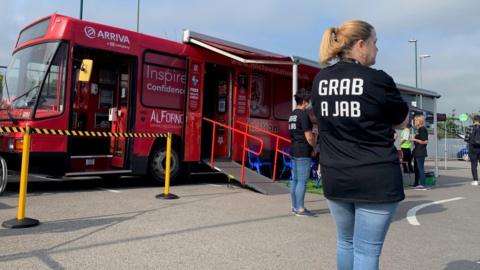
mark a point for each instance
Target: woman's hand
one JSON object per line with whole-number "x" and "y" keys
{"x": 419, "y": 141}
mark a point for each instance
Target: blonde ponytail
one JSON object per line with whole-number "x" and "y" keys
{"x": 327, "y": 45}
{"x": 336, "y": 42}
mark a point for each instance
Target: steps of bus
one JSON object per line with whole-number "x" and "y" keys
{"x": 253, "y": 180}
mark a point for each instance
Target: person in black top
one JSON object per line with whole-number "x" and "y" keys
{"x": 357, "y": 109}
{"x": 302, "y": 141}
{"x": 472, "y": 134}
{"x": 420, "y": 151}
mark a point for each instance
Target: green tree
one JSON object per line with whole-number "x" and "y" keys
{"x": 452, "y": 128}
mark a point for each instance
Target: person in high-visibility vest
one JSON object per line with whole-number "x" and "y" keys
{"x": 406, "y": 146}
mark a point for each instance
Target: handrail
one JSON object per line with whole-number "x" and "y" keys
{"x": 245, "y": 149}
{"x": 277, "y": 140}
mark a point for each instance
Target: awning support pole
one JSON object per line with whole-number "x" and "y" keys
{"x": 294, "y": 81}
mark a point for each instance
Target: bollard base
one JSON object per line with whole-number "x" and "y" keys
{"x": 168, "y": 196}
{"x": 20, "y": 223}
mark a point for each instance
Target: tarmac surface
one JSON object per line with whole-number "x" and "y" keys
{"x": 88, "y": 224}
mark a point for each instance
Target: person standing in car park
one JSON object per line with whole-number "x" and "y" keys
{"x": 301, "y": 149}
{"x": 406, "y": 147}
{"x": 357, "y": 109}
{"x": 472, "y": 137}
{"x": 420, "y": 151}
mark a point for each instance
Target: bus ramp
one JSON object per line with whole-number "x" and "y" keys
{"x": 253, "y": 180}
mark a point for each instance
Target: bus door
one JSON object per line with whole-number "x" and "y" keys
{"x": 119, "y": 114}
{"x": 100, "y": 105}
{"x": 217, "y": 105}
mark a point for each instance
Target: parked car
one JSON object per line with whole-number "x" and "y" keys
{"x": 463, "y": 154}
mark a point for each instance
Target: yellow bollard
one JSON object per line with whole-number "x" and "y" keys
{"x": 167, "y": 165}
{"x": 21, "y": 221}
{"x": 166, "y": 194}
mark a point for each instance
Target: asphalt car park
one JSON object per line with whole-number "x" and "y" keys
{"x": 90, "y": 224}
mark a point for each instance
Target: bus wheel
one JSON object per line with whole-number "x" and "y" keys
{"x": 158, "y": 163}
{"x": 3, "y": 175}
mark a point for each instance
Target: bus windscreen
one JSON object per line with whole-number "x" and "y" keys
{"x": 35, "y": 31}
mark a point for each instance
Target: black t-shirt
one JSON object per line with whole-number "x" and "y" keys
{"x": 470, "y": 132}
{"x": 298, "y": 123}
{"x": 420, "y": 150}
{"x": 356, "y": 107}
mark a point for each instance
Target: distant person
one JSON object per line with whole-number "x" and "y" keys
{"x": 420, "y": 151}
{"x": 472, "y": 137}
{"x": 301, "y": 149}
{"x": 357, "y": 109}
{"x": 406, "y": 147}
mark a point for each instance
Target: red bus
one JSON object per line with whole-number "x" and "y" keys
{"x": 138, "y": 83}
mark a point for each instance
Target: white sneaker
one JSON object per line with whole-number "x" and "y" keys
{"x": 474, "y": 183}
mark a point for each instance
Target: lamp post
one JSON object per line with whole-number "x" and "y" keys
{"x": 420, "y": 57}
{"x": 416, "y": 72}
{"x": 138, "y": 15}
{"x": 81, "y": 9}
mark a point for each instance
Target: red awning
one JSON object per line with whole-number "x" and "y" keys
{"x": 239, "y": 52}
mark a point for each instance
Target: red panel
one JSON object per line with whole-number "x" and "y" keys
{"x": 240, "y": 108}
{"x": 193, "y": 123}
{"x": 90, "y": 164}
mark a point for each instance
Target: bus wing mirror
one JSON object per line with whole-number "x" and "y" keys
{"x": 85, "y": 70}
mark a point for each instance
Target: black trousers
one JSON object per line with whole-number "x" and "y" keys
{"x": 407, "y": 160}
{"x": 474, "y": 154}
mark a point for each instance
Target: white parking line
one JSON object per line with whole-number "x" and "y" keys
{"x": 215, "y": 185}
{"x": 110, "y": 190}
{"x": 411, "y": 214}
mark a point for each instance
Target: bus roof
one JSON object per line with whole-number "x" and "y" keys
{"x": 57, "y": 26}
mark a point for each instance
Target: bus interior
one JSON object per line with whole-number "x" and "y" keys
{"x": 101, "y": 105}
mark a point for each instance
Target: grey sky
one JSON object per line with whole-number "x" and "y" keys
{"x": 448, "y": 30}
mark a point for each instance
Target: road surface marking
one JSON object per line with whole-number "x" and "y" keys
{"x": 109, "y": 190}
{"x": 411, "y": 214}
{"x": 215, "y": 185}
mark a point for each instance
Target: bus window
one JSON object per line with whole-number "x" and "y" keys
{"x": 33, "y": 70}
{"x": 260, "y": 97}
{"x": 164, "y": 81}
{"x": 35, "y": 31}
{"x": 282, "y": 98}
{"x": 53, "y": 92}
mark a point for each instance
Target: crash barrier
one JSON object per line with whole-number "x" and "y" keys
{"x": 82, "y": 133}
{"x": 245, "y": 149}
{"x": 23, "y": 222}
{"x": 277, "y": 138}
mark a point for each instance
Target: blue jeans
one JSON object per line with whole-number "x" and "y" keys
{"x": 301, "y": 172}
{"x": 419, "y": 165}
{"x": 361, "y": 230}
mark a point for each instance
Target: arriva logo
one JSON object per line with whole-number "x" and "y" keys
{"x": 91, "y": 33}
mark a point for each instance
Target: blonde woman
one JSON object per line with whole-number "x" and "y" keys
{"x": 358, "y": 108}
{"x": 420, "y": 151}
